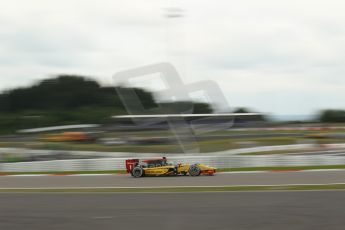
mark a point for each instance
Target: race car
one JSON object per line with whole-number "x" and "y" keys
{"x": 162, "y": 167}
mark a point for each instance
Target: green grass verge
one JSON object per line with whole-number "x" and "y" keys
{"x": 205, "y": 146}
{"x": 182, "y": 189}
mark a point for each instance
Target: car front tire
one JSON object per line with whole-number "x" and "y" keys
{"x": 194, "y": 170}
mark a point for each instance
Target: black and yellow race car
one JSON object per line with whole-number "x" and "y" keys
{"x": 162, "y": 167}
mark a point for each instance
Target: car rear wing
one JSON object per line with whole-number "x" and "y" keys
{"x": 130, "y": 164}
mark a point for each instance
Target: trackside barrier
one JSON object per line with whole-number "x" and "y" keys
{"x": 41, "y": 152}
{"x": 232, "y": 161}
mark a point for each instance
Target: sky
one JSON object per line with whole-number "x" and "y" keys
{"x": 280, "y": 57}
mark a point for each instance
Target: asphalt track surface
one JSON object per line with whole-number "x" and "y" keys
{"x": 171, "y": 211}
{"x": 224, "y": 179}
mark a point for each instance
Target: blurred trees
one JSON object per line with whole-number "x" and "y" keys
{"x": 185, "y": 107}
{"x": 70, "y": 99}
{"x": 65, "y": 92}
{"x": 332, "y": 116}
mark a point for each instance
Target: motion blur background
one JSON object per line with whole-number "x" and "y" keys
{"x": 281, "y": 60}
{"x": 68, "y": 124}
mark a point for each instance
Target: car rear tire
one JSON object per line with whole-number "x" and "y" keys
{"x": 138, "y": 172}
{"x": 194, "y": 170}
